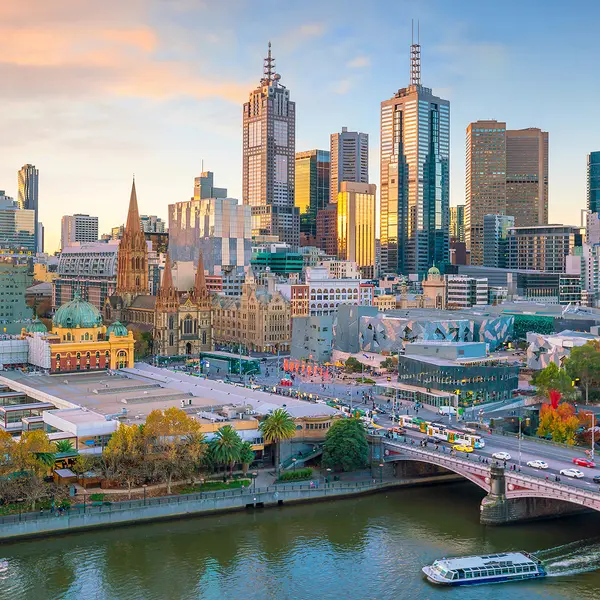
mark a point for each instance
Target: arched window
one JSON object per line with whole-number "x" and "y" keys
{"x": 137, "y": 262}
{"x": 107, "y": 354}
{"x": 78, "y": 356}
{"x": 97, "y": 355}
{"x": 87, "y": 337}
{"x": 137, "y": 282}
{"x": 132, "y": 263}
{"x": 58, "y": 357}
{"x": 121, "y": 359}
{"x": 188, "y": 325}
{"x": 171, "y": 322}
{"x": 68, "y": 336}
{"x": 171, "y": 339}
{"x": 87, "y": 354}
{"x": 204, "y": 337}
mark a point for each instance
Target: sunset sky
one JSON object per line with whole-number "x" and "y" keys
{"x": 92, "y": 92}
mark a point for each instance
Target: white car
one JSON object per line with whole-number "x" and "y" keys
{"x": 572, "y": 473}
{"x": 537, "y": 464}
{"x": 501, "y": 455}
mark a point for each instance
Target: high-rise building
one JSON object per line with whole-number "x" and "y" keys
{"x": 415, "y": 179}
{"x": 527, "y": 176}
{"x": 327, "y": 230}
{"x": 152, "y": 224}
{"x": 593, "y": 182}
{"x": 268, "y": 162}
{"x": 311, "y": 188}
{"x": 457, "y": 223}
{"x": 17, "y": 226}
{"x": 349, "y": 159}
{"x": 28, "y": 180}
{"x": 485, "y": 182}
{"x": 16, "y": 275}
{"x": 78, "y": 228}
{"x": 495, "y": 240}
{"x": 356, "y": 225}
{"x": 204, "y": 187}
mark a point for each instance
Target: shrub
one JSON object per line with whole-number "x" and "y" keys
{"x": 97, "y": 497}
{"x": 297, "y": 475}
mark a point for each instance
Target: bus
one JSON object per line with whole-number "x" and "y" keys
{"x": 441, "y": 432}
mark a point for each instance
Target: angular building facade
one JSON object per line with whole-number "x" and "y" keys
{"x": 311, "y": 188}
{"x": 415, "y": 180}
{"x": 349, "y": 159}
{"x": 268, "y": 161}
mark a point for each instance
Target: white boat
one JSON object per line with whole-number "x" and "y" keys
{"x": 491, "y": 568}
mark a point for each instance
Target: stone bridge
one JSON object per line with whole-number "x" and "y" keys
{"x": 511, "y": 496}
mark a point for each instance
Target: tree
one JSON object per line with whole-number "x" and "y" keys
{"x": 125, "y": 447}
{"x": 278, "y": 426}
{"x": 552, "y": 378}
{"x": 583, "y": 366}
{"x": 33, "y": 489}
{"x": 246, "y": 456}
{"x": 7, "y": 451}
{"x": 34, "y": 452}
{"x": 346, "y": 447}
{"x": 560, "y": 423}
{"x": 390, "y": 364}
{"x": 226, "y": 447}
{"x": 142, "y": 343}
{"x": 353, "y": 365}
{"x": 63, "y": 446}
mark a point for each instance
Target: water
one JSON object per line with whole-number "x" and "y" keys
{"x": 363, "y": 548}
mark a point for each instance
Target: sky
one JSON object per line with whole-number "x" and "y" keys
{"x": 93, "y": 92}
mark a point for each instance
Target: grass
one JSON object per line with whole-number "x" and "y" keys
{"x": 211, "y": 486}
{"x": 298, "y": 475}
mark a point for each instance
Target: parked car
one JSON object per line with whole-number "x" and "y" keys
{"x": 576, "y": 473}
{"x": 584, "y": 462}
{"x": 501, "y": 456}
{"x": 537, "y": 464}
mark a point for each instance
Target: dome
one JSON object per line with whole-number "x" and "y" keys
{"x": 118, "y": 329}
{"x": 433, "y": 271}
{"x": 77, "y": 313}
{"x": 36, "y": 327}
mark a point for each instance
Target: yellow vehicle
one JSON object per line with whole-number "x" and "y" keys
{"x": 461, "y": 448}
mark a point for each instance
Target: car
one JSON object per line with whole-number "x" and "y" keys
{"x": 576, "y": 473}
{"x": 501, "y": 455}
{"x": 537, "y": 464}
{"x": 461, "y": 448}
{"x": 584, "y": 462}
{"x": 596, "y": 478}
{"x": 432, "y": 440}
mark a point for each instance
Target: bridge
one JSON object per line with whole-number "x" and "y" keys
{"x": 511, "y": 495}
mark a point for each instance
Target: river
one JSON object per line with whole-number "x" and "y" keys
{"x": 371, "y": 547}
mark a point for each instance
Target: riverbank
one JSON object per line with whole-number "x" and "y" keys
{"x": 118, "y": 514}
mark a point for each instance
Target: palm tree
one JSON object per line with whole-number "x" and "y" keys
{"x": 226, "y": 447}
{"x": 278, "y": 426}
{"x": 246, "y": 456}
{"x": 64, "y": 446}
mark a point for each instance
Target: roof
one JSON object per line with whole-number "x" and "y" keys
{"x": 466, "y": 562}
{"x": 40, "y": 288}
{"x": 36, "y": 327}
{"x": 144, "y": 302}
{"x": 77, "y": 313}
{"x": 118, "y": 329}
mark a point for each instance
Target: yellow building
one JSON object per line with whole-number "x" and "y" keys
{"x": 385, "y": 302}
{"x": 41, "y": 273}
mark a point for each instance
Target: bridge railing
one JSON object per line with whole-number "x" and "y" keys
{"x": 554, "y": 485}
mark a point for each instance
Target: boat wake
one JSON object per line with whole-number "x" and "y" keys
{"x": 571, "y": 559}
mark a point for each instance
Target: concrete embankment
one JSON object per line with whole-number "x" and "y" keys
{"x": 191, "y": 505}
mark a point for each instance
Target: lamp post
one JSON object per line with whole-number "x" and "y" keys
{"x": 144, "y": 486}
{"x": 381, "y": 473}
{"x": 328, "y": 475}
{"x": 294, "y": 463}
{"x": 593, "y": 428}
{"x": 519, "y": 438}
{"x": 254, "y": 476}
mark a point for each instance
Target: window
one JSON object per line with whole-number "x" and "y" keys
{"x": 188, "y": 325}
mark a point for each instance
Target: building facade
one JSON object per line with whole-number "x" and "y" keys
{"x": 268, "y": 161}
{"x": 78, "y": 228}
{"x": 485, "y": 180}
{"x": 16, "y": 275}
{"x": 527, "y": 176}
{"x": 204, "y": 187}
{"x": 495, "y": 240}
{"x": 152, "y": 224}
{"x": 415, "y": 180}
{"x": 17, "y": 227}
{"x": 542, "y": 248}
{"x": 356, "y": 222}
{"x": 311, "y": 188}
{"x": 349, "y": 159}
{"x": 593, "y": 182}
{"x": 457, "y": 223}
{"x": 463, "y": 291}
{"x": 28, "y": 188}
{"x": 327, "y": 230}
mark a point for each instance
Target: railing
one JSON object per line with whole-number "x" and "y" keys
{"x": 288, "y": 462}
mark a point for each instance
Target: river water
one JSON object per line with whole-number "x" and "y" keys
{"x": 371, "y": 547}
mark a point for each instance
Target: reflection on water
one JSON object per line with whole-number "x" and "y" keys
{"x": 364, "y": 548}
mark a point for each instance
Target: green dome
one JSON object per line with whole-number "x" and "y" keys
{"x": 36, "y": 327}
{"x": 118, "y": 329}
{"x": 434, "y": 271}
{"x": 77, "y": 313}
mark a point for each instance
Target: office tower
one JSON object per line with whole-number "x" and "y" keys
{"x": 204, "y": 187}
{"x": 28, "y": 178}
{"x": 485, "y": 182}
{"x": 349, "y": 159}
{"x": 542, "y": 247}
{"x": 495, "y": 240}
{"x": 268, "y": 162}
{"x": 356, "y": 225}
{"x": 40, "y": 238}
{"x": 414, "y": 190}
{"x": 17, "y": 226}
{"x": 311, "y": 188}
{"x": 219, "y": 229}
{"x": 327, "y": 230}
{"x": 457, "y": 223}
{"x": 152, "y": 224}
{"x": 16, "y": 276}
{"x": 78, "y": 228}
{"x": 593, "y": 182}
{"x": 527, "y": 176}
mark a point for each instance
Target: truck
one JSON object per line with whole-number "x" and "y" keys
{"x": 447, "y": 410}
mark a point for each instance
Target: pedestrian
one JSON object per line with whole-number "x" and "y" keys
{"x": 546, "y": 477}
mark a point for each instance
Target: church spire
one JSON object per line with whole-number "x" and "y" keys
{"x": 167, "y": 279}
{"x": 167, "y": 296}
{"x": 200, "y": 291}
{"x": 133, "y": 216}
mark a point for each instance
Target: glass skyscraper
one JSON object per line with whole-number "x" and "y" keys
{"x": 593, "y": 182}
{"x": 28, "y": 178}
{"x": 17, "y": 226}
{"x": 415, "y": 181}
{"x": 311, "y": 187}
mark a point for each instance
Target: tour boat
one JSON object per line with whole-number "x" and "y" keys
{"x": 492, "y": 568}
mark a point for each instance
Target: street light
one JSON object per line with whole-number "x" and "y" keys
{"x": 519, "y": 438}
{"x": 380, "y": 472}
{"x": 254, "y": 476}
{"x": 144, "y": 486}
{"x": 328, "y": 475}
{"x": 294, "y": 462}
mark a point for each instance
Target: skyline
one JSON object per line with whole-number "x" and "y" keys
{"x": 93, "y": 94}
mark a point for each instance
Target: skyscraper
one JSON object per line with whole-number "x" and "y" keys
{"x": 349, "y": 159}
{"x": 457, "y": 223}
{"x": 28, "y": 178}
{"x": 486, "y": 180}
{"x": 78, "y": 228}
{"x": 495, "y": 240}
{"x": 204, "y": 187}
{"x": 356, "y": 225}
{"x": 593, "y": 182}
{"x": 311, "y": 188}
{"x": 269, "y": 148}
{"x": 527, "y": 176}
{"x": 17, "y": 226}
{"x": 414, "y": 190}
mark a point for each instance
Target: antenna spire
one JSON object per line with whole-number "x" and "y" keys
{"x": 415, "y": 56}
{"x": 269, "y": 66}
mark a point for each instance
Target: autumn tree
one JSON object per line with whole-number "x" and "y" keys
{"x": 583, "y": 366}
{"x": 7, "y": 453}
{"x": 125, "y": 448}
{"x": 34, "y": 453}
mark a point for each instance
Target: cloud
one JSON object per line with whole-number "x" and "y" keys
{"x": 359, "y": 62}
{"x": 298, "y": 36}
{"x": 342, "y": 86}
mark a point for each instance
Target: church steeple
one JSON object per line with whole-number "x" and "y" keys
{"x": 132, "y": 269}
{"x": 200, "y": 291}
{"x": 167, "y": 297}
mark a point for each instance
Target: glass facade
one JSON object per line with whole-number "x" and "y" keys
{"x": 495, "y": 240}
{"x": 311, "y": 187}
{"x": 17, "y": 226}
{"x": 593, "y": 182}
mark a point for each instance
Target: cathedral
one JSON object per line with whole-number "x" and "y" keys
{"x": 183, "y": 322}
